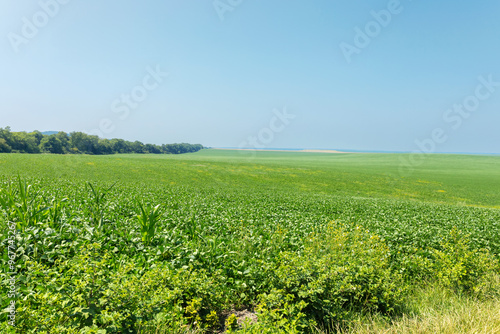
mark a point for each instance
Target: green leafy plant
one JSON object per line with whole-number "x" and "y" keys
{"x": 459, "y": 266}
{"x": 97, "y": 203}
{"x": 55, "y": 211}
{"x": 341, "y": 272}
{"x": 148, "y": 216}
{"x": 231, "y": 323}
{"x": 22, "y": 204}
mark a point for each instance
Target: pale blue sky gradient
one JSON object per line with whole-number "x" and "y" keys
{"x": 227, "y": 76}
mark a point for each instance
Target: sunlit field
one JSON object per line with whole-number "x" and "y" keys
{"x": 298, "y": 242}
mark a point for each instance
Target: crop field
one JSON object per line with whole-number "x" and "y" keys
{"x": 243, "y": 242}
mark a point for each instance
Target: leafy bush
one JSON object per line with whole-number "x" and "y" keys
{"x": 94, "y": 292}
{"x": 463, "y": 268}
{"x": 277, "y": 312}
{"x": 340, "y": 272}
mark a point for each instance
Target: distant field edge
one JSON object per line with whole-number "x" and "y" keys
{"x": 300, "y": 150}
{"x": 280, "y": 150}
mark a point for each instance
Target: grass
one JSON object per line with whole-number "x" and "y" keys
{"x": 438, "y": 311}
{"x": 155, "y": 243}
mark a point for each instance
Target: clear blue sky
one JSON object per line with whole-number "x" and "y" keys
{"x": 225, "y": 77}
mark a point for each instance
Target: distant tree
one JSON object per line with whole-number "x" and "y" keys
{"x": 120, "y": 146}
{"x": 150, "y": 148}
{"x": 31, "y": 143}
{"x": 137, "y": 147}
{"x": 18, "y": 143}
{"x": 93, "y": 145}
{"x": 37, "y": 135}
{"x": 51, "y": 144}
{"x": 6, "y": 135}
{"x": 65, "y": 141}
{"x": 79, "y": 142}
{"x": 172, "y": 148}
{"x": 84, "y": 143}
{"x": 105, "y": 147}
{"x": 4, "y": 147}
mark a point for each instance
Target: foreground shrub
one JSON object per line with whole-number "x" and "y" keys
{"x": 278, "y": 313}
{"x": 466, "y": 270}
{"x": 93, "y": 293}
{"x": 339, "y": 273}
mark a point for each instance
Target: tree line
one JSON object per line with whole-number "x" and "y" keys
{"x": 81, "y": 143}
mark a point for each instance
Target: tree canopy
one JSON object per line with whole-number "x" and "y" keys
{"x": 82, "y": 143}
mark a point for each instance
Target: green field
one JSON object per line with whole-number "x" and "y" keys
{"x": 307, "y": 242}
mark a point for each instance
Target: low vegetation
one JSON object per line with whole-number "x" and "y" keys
{"x": 184, "y": 244}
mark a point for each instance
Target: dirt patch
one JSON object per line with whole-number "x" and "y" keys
{"x": 241, "y": 315}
